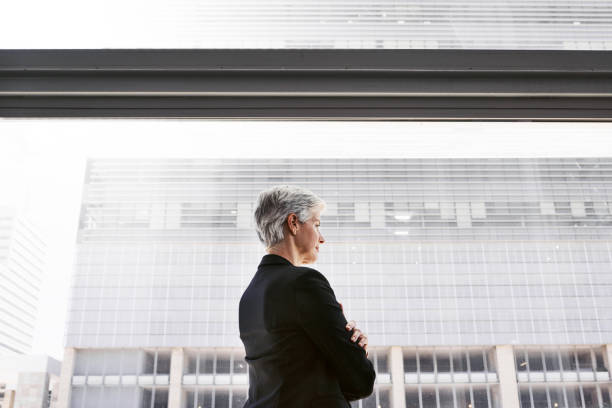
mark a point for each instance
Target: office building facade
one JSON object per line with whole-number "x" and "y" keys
{"x": 21, "y": 272}
{"x": 480, "y": 282}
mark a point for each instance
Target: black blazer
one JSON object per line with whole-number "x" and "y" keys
{"x": 297, "y": 347}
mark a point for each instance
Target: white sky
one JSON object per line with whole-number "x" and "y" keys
{"x": 42, "y": 164}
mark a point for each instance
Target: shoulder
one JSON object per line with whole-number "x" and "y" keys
{"x": 308, "y": 277}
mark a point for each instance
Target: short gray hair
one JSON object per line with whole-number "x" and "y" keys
{"x": 275, "y": 204}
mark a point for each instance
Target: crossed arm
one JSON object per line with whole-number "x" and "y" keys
{"x": 322, "y": 319}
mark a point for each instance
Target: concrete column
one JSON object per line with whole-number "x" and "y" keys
{"x": 398, "y": 396}
{"x": 176, "y": 378}
{"x": 65, "y": 382}
{"x": 608, "y": 358}
{"x": 9, "y": 399}
{"x": 506, "y": 372}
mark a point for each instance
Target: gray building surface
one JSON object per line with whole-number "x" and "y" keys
{"x": 28, "y": 381}
{"x": 480, "y": 282}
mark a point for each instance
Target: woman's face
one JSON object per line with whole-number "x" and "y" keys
{"x": 308, "y": 238}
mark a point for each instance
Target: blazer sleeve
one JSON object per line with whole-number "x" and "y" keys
{"x": 321, "y": 317}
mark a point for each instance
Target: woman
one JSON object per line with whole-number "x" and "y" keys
{"x": 300, "y": 349}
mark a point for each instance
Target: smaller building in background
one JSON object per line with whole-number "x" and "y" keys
{"x": 28, "y": 381}
{"x": 21, "y": 274}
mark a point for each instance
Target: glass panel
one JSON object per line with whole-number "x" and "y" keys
{"x": 535, "y": 361}
{"x": 161, "y": 398}
{"x": 459, "y": 362}
{"x": 525, "y": 397}
{"x": 410, "y": 363}
{"x": 428, "y": 396}
{"x": 239, "y": 398}
{"x": 590, "y": 396}
{"x": 599, "y": 361}
{"x": 369, "y": 402}
{"x": 443, "y": 361}
{"x": 412, "y": 397}
{"x": 446, "y": 397}
{"x": 551, "y": 359}
{"x": 462, "y": 395}
{"x": 556, "y": 397}
{"x": 146, "y": 398}
{"x": 584, "y": 359}
{"x": 149, "y": 363}
{"x": 192, "y": 361}
{"x": 188, "y": 400}
{"x": 221, "y": 398}
{"x": 163, "y": 363}
{"x": 476, "y": 361}
{"x": 540, "y": 399}
{"x": 223, "y": 364}
{"x": 204, "y": 399}
{"x": 207, "y": 363}
{"x": 426, "y": 362}
{"x": 384, "y": 398}
{"x": 480, "y": 398}
{"x": 606, "y": 391}
{"x": 567, "y": 360}
{"x": 240, "y": 365}
{"x": 381, "y": 360}
{"x": 573, "y": 396}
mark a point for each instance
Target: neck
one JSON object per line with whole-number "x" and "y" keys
{"x": 287, "y": 252}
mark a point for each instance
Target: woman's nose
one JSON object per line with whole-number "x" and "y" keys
{"x": 321, "y": 239}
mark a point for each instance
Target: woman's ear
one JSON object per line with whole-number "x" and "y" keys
{"x": 292, "y": 223}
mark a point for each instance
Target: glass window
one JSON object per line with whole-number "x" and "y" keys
{"x": 207, "y": 360}
{"x": 525, "y": 397}
{"x": 590, "y": 396}
{"x": 443, "y": 361}
{"x": 476, "y": 361}
{"x": 239, "y": 398}
{"x": 551, "y": 359}
{"x": 428, "y": 396}
{"x": 410, "y": 363}
{"x": 459, "y": 361}
{"x": 163, "y": 363}
{"x": 481, "y": 399}
{"x": 161, "y": 398}
{"x": 381, "y": 361}
{"x": 426, "y": 363}
{"x": 573, "y": 396}
{"x": 540, "y": 400}
{"x": 535, "y": 361}
{"x": 412, "y": 397}
{"x": 446, "y": 396}
{"x": 223, "y": 364}
{"x": 584, "y": 359}
{"x": 599, "y": 361}
{"x": 384, "y": 398}
{"x": 204, "y": 398}
{"x": 557, "y": 400}
{"x": 221, "y": 398}
{"x": 568, "y": 362}
{"x": 149, "y": 362}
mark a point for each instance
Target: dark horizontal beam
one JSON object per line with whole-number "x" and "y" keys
{"x": 307, "y": 84}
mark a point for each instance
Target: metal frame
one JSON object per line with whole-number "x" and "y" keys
{"x": 308, "y": 84}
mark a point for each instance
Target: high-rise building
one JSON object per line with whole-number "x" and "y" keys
{"x": 479, "y": 282}
{"x": 21, "y": 273}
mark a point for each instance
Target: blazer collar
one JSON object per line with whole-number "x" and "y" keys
{"x": 271, "y": 259}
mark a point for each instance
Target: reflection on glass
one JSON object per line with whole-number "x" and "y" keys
{"x": 412, "y": 397}
{"x": 428, "y": 396}
{"x": 540, "y": 400}
{"x": 480, "y": 398}
{"x": 551, "y": 359}
{"x": 238, "y": 398}
{"x": 207, "y": 361}
{"x": 525, "y": 398}
{"x": 163, "y": 363}
{"x": 556, "y": 397}
{"x": 410, "y": 363}
{"x": 459, "y": 361}
{"x": 426, "y": 363}
{"x": 443, "y": 362}
{"x": 382, "y": 363}
{"x": 160, "y": 398}
{"x": 573, "y": 396}
{"x": 476, "y": 361}
{"x": 535, "y": 361}
{"x": 221, "y": 398}
{"x": 446, "y": 397}
{"x": 223, "y": 364}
